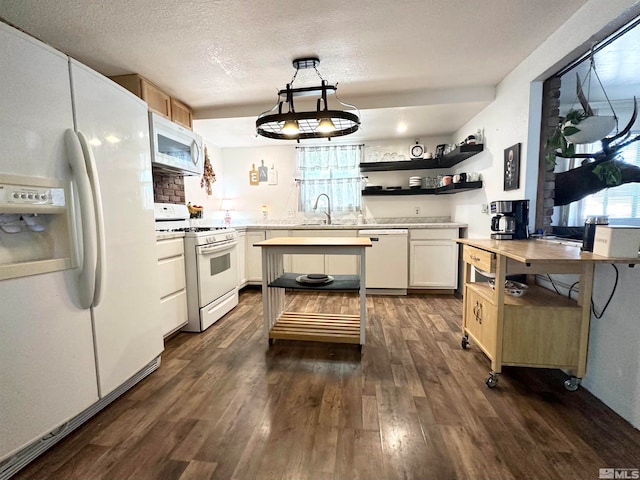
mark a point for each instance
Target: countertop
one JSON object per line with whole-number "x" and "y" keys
{"x": 541, "y": 251}
{"x": 168, "y": 235}
{"x": 366, "y": 226}
{"x": 315, "y": 242}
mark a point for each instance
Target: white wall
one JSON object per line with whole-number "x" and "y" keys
{"x": 232, "y": 166}
{"x": 613, "y": 369}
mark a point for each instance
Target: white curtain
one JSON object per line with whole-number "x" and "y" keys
{"x": 333, "y": 170}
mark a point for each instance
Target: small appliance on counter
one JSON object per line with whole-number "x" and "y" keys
{"x": 510, "y": 219}
{"x": 590, "y": 225}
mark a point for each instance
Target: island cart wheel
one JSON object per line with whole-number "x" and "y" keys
{"x": 492, "y": 380}
{"x": 270, "y": 341}
{"x": 464, "y": 343}
{"x": 572, "y": 384}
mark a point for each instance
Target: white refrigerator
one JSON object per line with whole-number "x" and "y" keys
{"x": 71, "y": 336}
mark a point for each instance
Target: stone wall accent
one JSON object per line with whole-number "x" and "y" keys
{"x": 168, "y": 188}
{"x": 546, "y": 177}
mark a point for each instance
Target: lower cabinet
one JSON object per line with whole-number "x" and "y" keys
{"x": 286, "y": 259}
{"x": 539, "y": 329}
{"x": 253, "y": 256}
{"x": 329, "y": 264}
{"x": 433, "y": 258}
{"x": 173, "y": 285}
{"x": 242, "y": 247}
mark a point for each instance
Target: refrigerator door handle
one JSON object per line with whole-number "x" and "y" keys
{"x": 87, "y": 277}
{"x": 101, "y": 265}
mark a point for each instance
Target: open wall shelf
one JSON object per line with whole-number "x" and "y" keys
{"x": 452, "y": 188}
{"x": 458, "y": 155}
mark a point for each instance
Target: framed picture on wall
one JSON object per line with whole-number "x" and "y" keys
{"x": 512, "y": 167}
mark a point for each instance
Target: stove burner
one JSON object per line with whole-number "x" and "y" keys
{"x": 193, "y": 229}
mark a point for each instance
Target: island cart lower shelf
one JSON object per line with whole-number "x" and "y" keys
{"x": 317, "y": 327}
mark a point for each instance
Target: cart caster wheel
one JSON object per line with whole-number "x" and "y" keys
{"x": 464, "y": 343}
{"x": 360, "y": 348}
{"x": 572, "y": 384}
{"x": 492, "y": 380}
{"x": 270, "y": 341}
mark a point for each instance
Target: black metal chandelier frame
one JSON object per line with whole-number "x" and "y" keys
{"x": 271, "y": 124}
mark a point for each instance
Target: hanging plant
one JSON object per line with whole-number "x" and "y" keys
{"x": 208, "y": 175}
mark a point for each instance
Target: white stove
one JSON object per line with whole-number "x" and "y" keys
{"x": 211, "y": 264}
{"x": 172, "y": 217}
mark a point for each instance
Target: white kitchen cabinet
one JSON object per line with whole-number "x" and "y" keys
{"x": 242, "y": 270}
{"x": 329, "y": 264}
{"x": 253, "y": 256}
{"x": 173, "y": 285}
{"x": 387, "y": 260}
{"x": 433, "y": 258}
{"x": 286, "y": 259}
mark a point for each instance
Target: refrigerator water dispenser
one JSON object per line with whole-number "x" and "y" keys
{"x": 35, "y": 229}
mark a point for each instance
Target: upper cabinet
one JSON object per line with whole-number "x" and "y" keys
{"x": 157, "y": 100}
{"x": 181, "y": 113}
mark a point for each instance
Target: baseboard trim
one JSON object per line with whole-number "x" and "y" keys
{"x": 22, "y": 458}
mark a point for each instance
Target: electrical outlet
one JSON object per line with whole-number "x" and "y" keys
{"x": 417, "y": 210}
{"x": 291, "y": 213}
{"x": 485, "y": 208}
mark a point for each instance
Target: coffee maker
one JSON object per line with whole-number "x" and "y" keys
{"x": 510, "y": 219}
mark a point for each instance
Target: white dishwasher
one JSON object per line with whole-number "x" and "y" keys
{"x": 387, "y": 260}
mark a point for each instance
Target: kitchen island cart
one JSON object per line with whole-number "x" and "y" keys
{"x": 319, "y": 327}
{"x": 539, "y": 328}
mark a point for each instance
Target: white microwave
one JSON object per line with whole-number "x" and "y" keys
{"x": 175, "y": 149}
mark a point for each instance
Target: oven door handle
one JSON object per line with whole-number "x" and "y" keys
{"x": 209, "y": 249}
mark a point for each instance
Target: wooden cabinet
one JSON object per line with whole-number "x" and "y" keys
{"x": 253, "y": 258}
{"x": 539, "y": 329}
{"x": 181, "y": 113}
{"x": 173, "y": 285}
{"x": 433, "y": 258}
{"x": 157, "y": 100}
{"x": 481, "y": 320}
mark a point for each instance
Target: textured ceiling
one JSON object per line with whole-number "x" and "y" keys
{"x": 408, "y": 59}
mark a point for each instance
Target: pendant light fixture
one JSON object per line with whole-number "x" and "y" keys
{"x": 319, "y": 123}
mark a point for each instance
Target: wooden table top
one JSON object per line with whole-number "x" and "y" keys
{"x": 315, "y": 242}
{"x": 540, "y": 251}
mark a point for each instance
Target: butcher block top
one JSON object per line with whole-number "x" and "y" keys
{"x": 540, "y": 251}
{"x": 315, "y": 242}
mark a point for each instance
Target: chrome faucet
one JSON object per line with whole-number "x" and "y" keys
{"x": 328, "y": 212}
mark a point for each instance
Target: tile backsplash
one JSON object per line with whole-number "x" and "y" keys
{"x": 168, "y": 188}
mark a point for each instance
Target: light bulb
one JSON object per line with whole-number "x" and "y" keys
{"x": 326, "y": 126}
{"x": 291, "y": 127}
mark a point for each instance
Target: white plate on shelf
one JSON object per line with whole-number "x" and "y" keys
{"x": 314, "y": 279}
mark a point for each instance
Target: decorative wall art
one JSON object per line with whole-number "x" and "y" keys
{"x": 263, "y": 172}
{"x": 253, "y": 175}
{"x": 273, "y": 175}
{"x": 512, "y": 167}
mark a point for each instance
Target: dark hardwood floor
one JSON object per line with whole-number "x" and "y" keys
{"x": 411, "y": 405}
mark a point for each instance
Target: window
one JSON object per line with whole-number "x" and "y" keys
{"x": 334, "y": 171}
{"x": 621, "y": 203}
